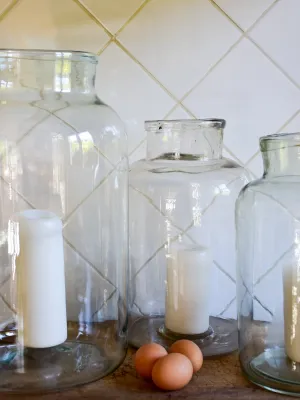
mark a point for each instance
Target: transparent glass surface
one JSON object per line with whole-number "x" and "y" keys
{"x": 63, "y": 224}
{"x": 182, "y": 249}
{"x": 268, "y": 259}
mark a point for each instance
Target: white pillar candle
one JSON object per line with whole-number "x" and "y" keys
{"x": 41, "y": 297}
{"x": 291, "y": 291}
{"x": 188, "y": 290}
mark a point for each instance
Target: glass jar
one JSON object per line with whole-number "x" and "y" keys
{"x": 63, "y": 224}
{"x": 182, "y": 247}
{"x": 268, "y": 259}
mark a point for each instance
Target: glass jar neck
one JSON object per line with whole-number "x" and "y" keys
{"x": 185, "y": 140}
{"x": 281, "y": 154}
{"x": 42, "y": 72}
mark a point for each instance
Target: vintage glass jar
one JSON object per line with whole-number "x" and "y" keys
{"x": 63, "y": 224}
{"x": 182, "y": 245}
{"x": 268, "y": 259}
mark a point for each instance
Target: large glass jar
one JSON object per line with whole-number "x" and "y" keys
{"x": 182, "y": 240}
{"x": 268, "y": 244}
{"x": 63, "y": 224}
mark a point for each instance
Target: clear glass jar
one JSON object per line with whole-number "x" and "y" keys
{"x": 63, "y": 224}
{"x": 268, "y": 259}
{"x": 182, "y": 247}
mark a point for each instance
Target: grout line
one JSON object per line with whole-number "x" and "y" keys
{"x": 139, "y": 309}
{"x": 211, "y": 69}
{"x": 263, "y": 306}
{"x": 137, "y": 11}
{"x": 180, "y": 234}
{"x": 104, "y": 47}
{"x": 245, "y": 35}
{"x": 103, "y": 180}
{"x": 93, "y": 17}
{"x": 273, "y": 62}
{"x": 252, "y": 158}
{"x": 266, "y": 273}
{"x": 288, "y": 121}
{"x": 8, "y": 9}
{"x": 262, "y": 16}
{"x": 104, "y": 304}
{"x": 136, "y": 147}
{"x": 122, "y": 47}
{"x": 242, "y": 164}
{"x": 170, "y": 111}
{"x": 227, "y": 307}
{"x": 225, "y": 272}
{"x": 64, "y": 238}
{"x": 226, "y": 15}
{"x": 93, "y": 267}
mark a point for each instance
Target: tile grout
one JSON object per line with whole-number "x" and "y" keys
{"x": 8, "y": 9}
{"x": 179, "y": 102}
{"x": 91, "y": 15}
{"x": 137, "y": 11}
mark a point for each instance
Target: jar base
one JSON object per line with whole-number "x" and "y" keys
{"x": 60, "y": 367}
{"x": 221, "y": 340}
{"x": 274, "y": 371}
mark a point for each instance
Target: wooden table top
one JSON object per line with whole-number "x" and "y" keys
{"x": 218, "y": 379}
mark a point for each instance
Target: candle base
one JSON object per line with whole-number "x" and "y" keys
{"x": 81, "y": 359}
{"x": 273, "y": 370}
{"x": 223, "y": 339}
{"x": 203, "y": 339}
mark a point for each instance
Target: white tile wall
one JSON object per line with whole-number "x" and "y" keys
{"x": 236, "y": 59}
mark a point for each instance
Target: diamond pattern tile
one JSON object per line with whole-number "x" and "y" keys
{"x": 293, "y": 126}
{"x": 282, "y": 44}
{"x": 165, "y": 44}
{"x": 241, "y": 89}
{"x": 262, "y": 292}
{"x": 60, "y": 25}
{"x": 179, "y": 113}
{"x": 4, "y": 4}
{"x": 244, "y": 12}
{"x": 150, "y": 285}
{"x": 86, "y": 290}
{"x": 230, "y": 311}
{"x": 103, "y": 248}
{"x": 256, "y": 166}
{"x": 78, "y": 172}
{"x": 139, "y": 153}
{"x": 114, "y": 13}
{"x": 220, "y": 280}
{"x": 177, "y": 41}
{"x": 28, "y": 118}
{"x": 134, "y": 103}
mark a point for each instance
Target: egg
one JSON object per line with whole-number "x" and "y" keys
{"x": 172, "y": 372}
{"x": 190, "y": 350}
{"x": 146, "y": 357}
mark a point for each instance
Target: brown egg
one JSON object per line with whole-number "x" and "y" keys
{"x": 172, "y": 372}
{"x": 190, "y": 350}
{"x": 146, "y": 357}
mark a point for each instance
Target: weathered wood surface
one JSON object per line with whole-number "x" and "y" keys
{"x": 218, "y": 379}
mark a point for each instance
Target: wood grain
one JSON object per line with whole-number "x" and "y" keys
{"x": 218, "y": 379}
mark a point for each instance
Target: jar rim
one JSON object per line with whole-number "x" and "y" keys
{"x": 179, "y": 124}
{"x": 279, "y": 141}
{"x": 49, "y": 55}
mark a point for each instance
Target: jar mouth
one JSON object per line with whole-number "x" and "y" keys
{"x": 279, "y": 141}
{"x": 181, "y": 124}
{"x": 49, "y": 55}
